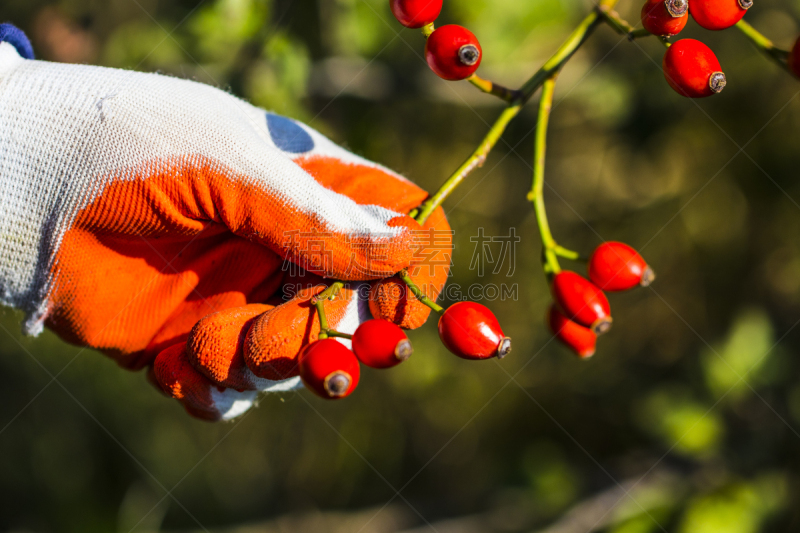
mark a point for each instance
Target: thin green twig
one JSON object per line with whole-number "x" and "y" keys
{"x": 623, "y": 27}
{"x": 766, "y": 46}
{"x": 536, "y": 196}
{"x": 478, "y": 157}
{"x": 319, "y": 302}
{"x": 416, "y": 291}
{"x": 489, "y": 87}
{"x": 566, "y": 253}
{"x": 323, "y": 319}
{"x": 567, "y": 49}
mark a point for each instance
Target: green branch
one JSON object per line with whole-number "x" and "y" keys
{"x": 765, "y": 45}
{"x": 489, "y": 87}
{"x": 623, "y": 27}
{"x": 549, "y": 258}
{"x": 564, "y": 52}
{"x": 478, "y": 157}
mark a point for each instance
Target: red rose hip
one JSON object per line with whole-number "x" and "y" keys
{"x": 579, "y": 339}
{"x": 471, "y": 331}
{"x": 329, "y": 369}
{"x": 718, "y": 14}
{"x": 453, "y": 52}
{"x": 581, "y": 301}
{"x": 415, "y": 13}
{"x": 615, "y": 266}
{"x": 692, "y": 69}
{"x": 665, "y": 17}
{"x": 379, "y": 343}
{"x": 794, "y": 58}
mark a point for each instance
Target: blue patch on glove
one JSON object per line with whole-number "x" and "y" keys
{"x": 288, "y": 135}
{"x": 17, "y": 38}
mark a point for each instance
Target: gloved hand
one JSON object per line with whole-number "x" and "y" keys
{"x": 142, "y": 211}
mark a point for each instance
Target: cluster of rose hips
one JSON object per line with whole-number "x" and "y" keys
{"x": 451, "y": 51}
{"x": 690, "y": 67}
{"x": 581, "y": 311}
{"x": 332, "y": 371}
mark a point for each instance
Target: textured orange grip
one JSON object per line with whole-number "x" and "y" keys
{"x": 390, "y": 299}
{"x": 215, "y": 345}
{"x": 274, "y": 341}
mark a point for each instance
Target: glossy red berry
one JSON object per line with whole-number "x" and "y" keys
{"x": 692, "y": 69}
{"x": 581, "y": 340}
{"x": 329, "y": 369}
{"x": 718, "y": 14}
{"x": 453, "y": 52}
{"x": 665, "y": 17}
{"x": 615, "y": 266}
{"x": 379, "y": 343}
{"x": 471, "y": 331}
{"x": 794, "y": 58}
{"x": 415, "y": 13}
{"x": 580, "y": 300}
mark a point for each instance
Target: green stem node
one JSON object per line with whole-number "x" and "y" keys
{"x": 319, "y": 302}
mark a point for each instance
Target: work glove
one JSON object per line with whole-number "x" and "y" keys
{"x": 179, "y": 229}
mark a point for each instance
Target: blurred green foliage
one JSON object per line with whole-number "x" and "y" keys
{"x": 687, "y": 418}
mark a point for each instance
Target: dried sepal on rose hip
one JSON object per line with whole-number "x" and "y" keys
{"x": 581, "y": 301}
{"x": 471, "y": 331}
{"x": 453, "y": 52}
{"x": 615, "y": 266}
{"x": 665, "y": 17}
{"x": 379, "y": 343}
{"x": 718, "y": 14}
{"x": 579, "y": 339}
{"x": 415, "y": 13}
{"x": 692, "y": 69}
{"x": 329, "y": 369}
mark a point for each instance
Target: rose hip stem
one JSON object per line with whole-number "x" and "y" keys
{"x": 623, "y": 27}
{"x": 551, "y": 250}
{"x": 765, "y": 45}
{"x": 549, "y": 258}
{"x": 489, "y": 87}
{"x": 418, "y": 293}
{"x": 319, "y": 302}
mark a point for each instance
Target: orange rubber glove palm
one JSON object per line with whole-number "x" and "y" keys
{"x": 152, "y": 211}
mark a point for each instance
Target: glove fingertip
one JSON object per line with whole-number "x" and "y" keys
{"x": 391, "y": 300}
{"x": 150, "y": 376}
{"x": 216, "y": 344}
{"x": 272, "y": 346}
{"x": 379, "y": 256}
{"x": 274, "y": 339}
{"x": 200, "y": 397}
